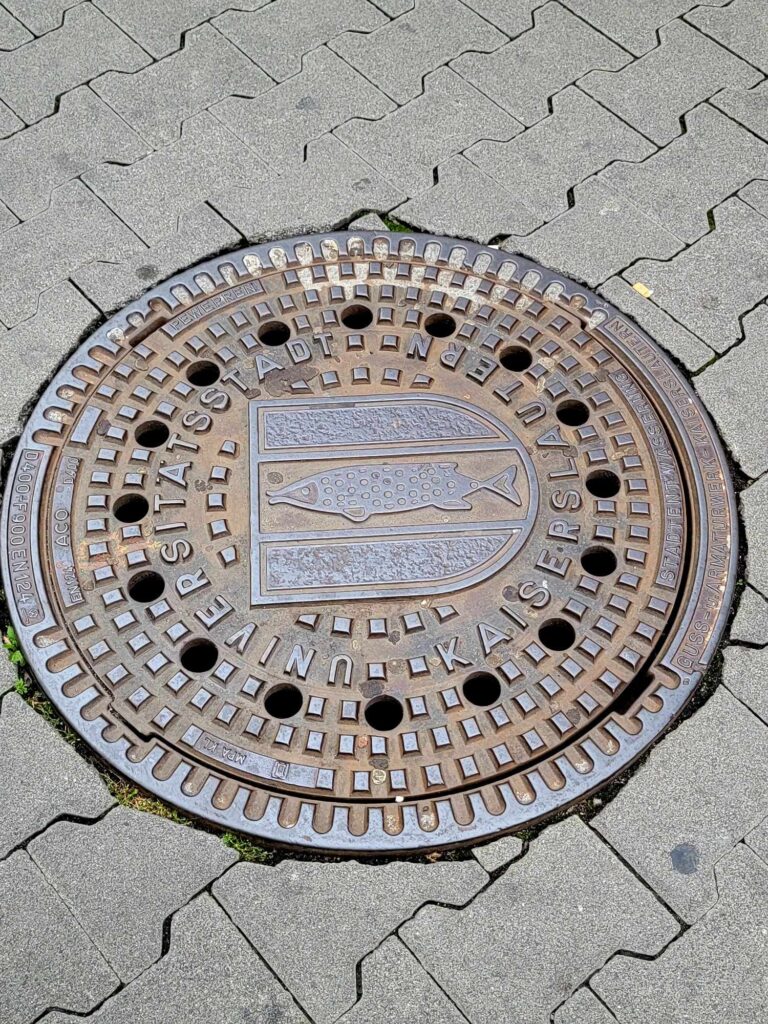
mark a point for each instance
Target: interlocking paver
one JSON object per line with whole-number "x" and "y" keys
{"x": 397, "y": 990}
{"x": 584, "y": 1007}
{"x": 757, "y": 840}
{"x": 83, "y": 132}
{"x": 347, "y": 908}
{"x": 7, "y": 218}
{"x": 156, "y": 100}
{"x": 322, "y": 96}
{"x": 744, "y": 673}
{"x": 86, "y": 45}
{"x": 8, "y": 674}
{"x": 695, "y": 172}
{"x": 672, "y": 336}
{"x": 368, "y": 222}
{"x": 200, "y": 233}
{"x": 332, "y": 186}
{"x": 159, "y": 26}
{"x": 600, "y": 235}
{"x": 31, "y": 351}
{"x": 718, "y": 279}
{"x": 474, "y": 954}
{"x": 43, "y": 777}
{"x": 756, "y": 195}
{"x": 733, "y": 389}
{"x": 76, "y": 228}
{"x": 277, "y": 36}
{"x": 698, "y": 794}
{"x": 398, "y": 55}
{"x": 522, "y": 75}
{"x": 498, "y": 853}
{"x": 468, "y": 203}
{"x": 210, "y": 975}
{"x": 407, "y": 144}
{"x": 747, "y": 106}
{"x": 750, "y": 624}
{"x": 652, "y": 93}
{"x": 46, "y": 959}
{"x": 754, "y": 513}
{"x": 99, "y": 869}
{"x": 150, "y": 194}
{"x": 40, "y": 15}
{"x": 512, "y": 18}
{"x": 12, "y": 32}
{"x": 546, "y": 161}
{"x": 634, "y": 25}
{"x": 9, "y": 122}
{"x": 717, "y": 971}
{"x": 742, "y": 26}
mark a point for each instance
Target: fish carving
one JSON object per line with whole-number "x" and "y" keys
{"x": 358, "y": 492}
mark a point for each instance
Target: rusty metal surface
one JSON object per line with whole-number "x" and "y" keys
{"x": 369, "y": 542}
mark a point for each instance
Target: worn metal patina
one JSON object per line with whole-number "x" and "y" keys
{"x": 369, "y": 543}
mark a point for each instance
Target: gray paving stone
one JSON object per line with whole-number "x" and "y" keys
{"x": 744, "y": 673}
{"x": 85, "y": 45}
{"x": 397, "y": 990}
{"x": 31, "y": 351}
{"x": 347, "y": 908}
{"x": 599, "y": 236}
{"x": 522, "y": 75}
{"x": 632, "y": 24}
{"x": 757, "y": 840}
{"x": 511, "y": 16}
{"x": 468, "y": 203}
{"x": 584, "y": 1008}
{"x": 322, "y": 96}
{"x": 12, "y": 32}
{"x": 733, "y": 389}
{"x": 83, "y": 132}
{"x": 695, "y": 172}
{"x": 742, "y": 26}
{"x": 754, "y": 514}
{"x": 156, "y": 100}
{"x": 747, "y": 106}
{"x": 159, "y": 26}
{"x": 40, "y": 15}
{"x": 9, "y": 122}
{"x": 38, "y": 253}
{"x": 717, "y": 971}
{"x": 46, "y": 959}
{"x": 541, "y": 165}
{"x": 751, "y": 622}
{"x": 711, "y": 284}
{"x": 200, "y": 233}
{"x": 396, "y": 56}
{"x": 756, "y": 195}
{"x": 498, "y": 853}
{"x": 332, "y": 186}
{"x": 368, "y": 222}
{"x": 278, "y": 36}
{"x": 7, "y": 219}
{"x": 652, "y": 93}
{"x": 672, "y": 336}
{"x": 42, "y": 775}
{"x": 528, "y": 940}
{"x": 99, "y": 869}
{"x": 407, "y": 144}
{"x": 394, "y": 8}
{"x": 210, "y": 975}
{"x": 8, "y": 674}
{"x": 151, "y": 194}
{"x": 698, "y": 795}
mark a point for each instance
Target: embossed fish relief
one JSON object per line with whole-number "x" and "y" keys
{"x": 358, "y": 492}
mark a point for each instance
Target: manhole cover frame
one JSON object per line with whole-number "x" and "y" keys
{"x": 693, "y": 432}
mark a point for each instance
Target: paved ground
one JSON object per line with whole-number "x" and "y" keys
{"x": 621, "y": 141}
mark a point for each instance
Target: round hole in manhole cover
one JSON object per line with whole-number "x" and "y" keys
{"x": 369, "y": 543}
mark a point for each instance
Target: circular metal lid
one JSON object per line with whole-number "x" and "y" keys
{"x": 369, "y": 542}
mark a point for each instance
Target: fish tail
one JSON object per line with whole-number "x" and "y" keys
{"x": 504, "y": 484}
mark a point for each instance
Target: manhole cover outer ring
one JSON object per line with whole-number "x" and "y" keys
{"x": 46, "y": 650}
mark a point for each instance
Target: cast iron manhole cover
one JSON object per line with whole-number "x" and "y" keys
{"x": 369, "y": 542}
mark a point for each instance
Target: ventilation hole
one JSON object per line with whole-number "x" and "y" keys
{"x": 199, "y": 655}
{"x": 384, "y": 713}
{"x": 356, "y": 317}
{"x": 130, "y": 508}
{"x": 557, "y": 634}
{"x": 482, "y": 689}
{"x": 440, "y": 325}
{"x": 283, "y": 701}
{"x": 572, "y": 412}
{"x": 598, "y": 561}
{"x": 146, "y": 587}
{"x": 152, "y": 434}
{"x": 203, "y": 373}
{"x": 274, "y": 333}
{"x": 515, "y": 357}
{"x": 603, "y": 483}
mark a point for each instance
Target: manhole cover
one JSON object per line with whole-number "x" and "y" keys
{"x": 369, "y": 542}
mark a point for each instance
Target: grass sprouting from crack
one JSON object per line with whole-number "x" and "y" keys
{"x": 14, "y": 652}
{"x": 395, "y": 225}
{"x": 246, "y": 848}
